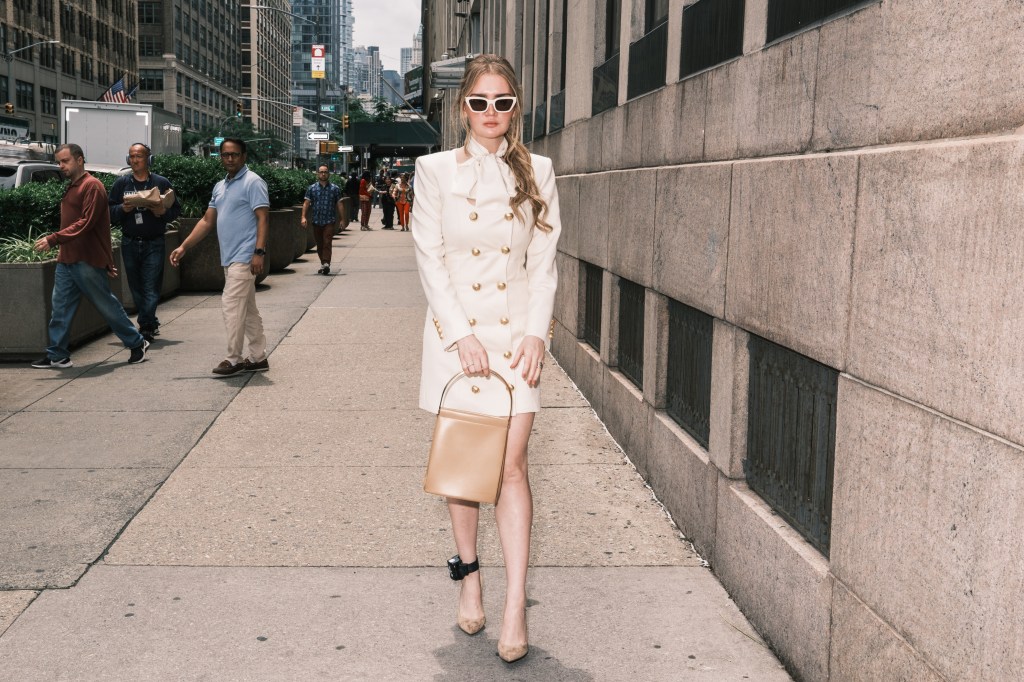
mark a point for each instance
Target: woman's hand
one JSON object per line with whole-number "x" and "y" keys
{"x": 531, "y": 353}
{"x": 473, "y": 357}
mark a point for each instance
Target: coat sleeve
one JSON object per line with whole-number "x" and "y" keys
{"x": 540, "y": 258}
{"x": 428, "y": 238}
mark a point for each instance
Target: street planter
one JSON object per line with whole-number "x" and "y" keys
{"x": 302, "y": 234}
{"x": 281, "y": 241}
{"x": 308, "y": 230}
{"x": 200, "y": 269}
{"x": 25, "y": 308}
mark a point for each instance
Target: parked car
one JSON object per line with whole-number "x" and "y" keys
{"x": 15, "y": 173}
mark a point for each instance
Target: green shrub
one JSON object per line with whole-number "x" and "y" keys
{"x": 21, "y": 249}
{"x": 30, "y": 209}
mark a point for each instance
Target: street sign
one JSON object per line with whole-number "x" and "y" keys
{"x": 319, "y": 61}
{"x": 217, "y": 141}
{"x": 318, "y": 136}
{"x": 328, "y": 108}
{"x": 346, "y": 148}
{"x": 296, "y": 116}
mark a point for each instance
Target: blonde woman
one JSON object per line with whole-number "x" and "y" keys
{"x": 487, "y": 226}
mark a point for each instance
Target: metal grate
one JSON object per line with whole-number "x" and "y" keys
{"x": 712, "y": 34}
{"x": 592, "y": 292}
{"x": 647, "y": 61}
{"x": 539, "y": 123}
{"x": 606, "y": 86}
{"x": 688, "y": 385}
{"x": 631, "y": 331}
{"x": 788, "y": 16}
{"x": 791, "y": 434}
{"x": 557, "y": 111}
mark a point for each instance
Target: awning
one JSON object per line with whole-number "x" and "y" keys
{"x": 447, "y": 73}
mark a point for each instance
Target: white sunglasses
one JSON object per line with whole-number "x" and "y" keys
{"x": 502, "y": 104}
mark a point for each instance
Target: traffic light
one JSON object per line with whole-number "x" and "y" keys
{"x": 238, "y": 108}
{"x": 344, "y": 121}
{"x": 9, "y": 108}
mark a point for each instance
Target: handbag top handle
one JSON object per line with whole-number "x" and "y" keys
{"x": 462, "y": 375}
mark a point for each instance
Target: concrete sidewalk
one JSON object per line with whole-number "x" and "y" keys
{"x": 159, "y": 524}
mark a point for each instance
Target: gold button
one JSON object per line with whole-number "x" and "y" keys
{"x": 511, "y": 388}
{"x": 501, "y": 286}
{"x": 476, "y": 389}
{"x": 505, "y": 249}
{"x": 473, "y": 215}
{"x": 508, "y": 354}
{"x": 472, "y": 322}
{"x": 476, "y": 252}
{"x": 504, "y": 320}
{"x": 476, "y": 287}
{"x": 509, "y": 216}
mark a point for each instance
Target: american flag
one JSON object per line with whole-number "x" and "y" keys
{"x": 115, "y": 93}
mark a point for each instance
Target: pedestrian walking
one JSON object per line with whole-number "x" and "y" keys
{"x": 352, "y": 192}
{"x": 143, "y": 224}
{"x": 324, "y": 197}
{"x": 85, "y": 264}
{"x": 365, "y": 190}
{"x": 240, "y": 210}
{"x": 387, "y": 203}
{"x": 403, "y": 201}
{"x": 487, "y": 227}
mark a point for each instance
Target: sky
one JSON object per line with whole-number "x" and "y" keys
{"x": 389, "y": 25}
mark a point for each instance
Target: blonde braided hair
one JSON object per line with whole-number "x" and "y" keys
{"x": 517, "y": 156}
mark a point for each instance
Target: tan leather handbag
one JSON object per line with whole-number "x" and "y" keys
{"x": 467, "y": 454}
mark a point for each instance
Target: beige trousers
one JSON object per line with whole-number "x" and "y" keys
{"x": 241, "y": 316}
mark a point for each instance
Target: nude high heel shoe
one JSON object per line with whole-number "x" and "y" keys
{"x": 457, "y": 571}
{"x": 510, "y": 653}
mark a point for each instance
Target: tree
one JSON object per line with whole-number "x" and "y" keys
{"x": 356, "y": 113}
{"x": 383, "y": 112}
{"x": 265, "y": 144}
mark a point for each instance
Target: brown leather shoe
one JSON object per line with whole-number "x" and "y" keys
{"x": 250, "y": 366}
{"x": 226, "y": 369}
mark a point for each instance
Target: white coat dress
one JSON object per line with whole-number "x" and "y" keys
{"x": 484, "y": 272}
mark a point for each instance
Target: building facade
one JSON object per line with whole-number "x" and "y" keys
{"x": 266, "y": 66}
{"x": 97, "y": 46}
{"x": 189, "y": 61}
{"x": 788, "y": 267}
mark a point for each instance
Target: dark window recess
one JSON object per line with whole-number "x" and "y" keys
{"x": 606, "y": 86}
{"x": 688, "y": 385}
{"x": 527, "y": 126}
{"x": 791, "y": 437}
{"x": 647, "y": 61}
{"x": 557, "y": 113}
{"x": 592, "y": 292}
{"x": 539, "y": 120}
{"x": 631, "y": 331}
{"x": 612, "y": 23}
{"x": 788, "y": 16}
{"x": 712, "y": 34}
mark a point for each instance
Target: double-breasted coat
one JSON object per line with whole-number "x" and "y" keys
{"x": 484, "y": 272}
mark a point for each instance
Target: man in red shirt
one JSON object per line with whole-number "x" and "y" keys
{"x": 84, "y": 263}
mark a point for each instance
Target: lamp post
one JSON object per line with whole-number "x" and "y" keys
{"x": 9, "y": 57}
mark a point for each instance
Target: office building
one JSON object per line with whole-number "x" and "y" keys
{"x": 266, "y": 66}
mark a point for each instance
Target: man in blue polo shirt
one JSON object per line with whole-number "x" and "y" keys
{"x": 240, "y": 210}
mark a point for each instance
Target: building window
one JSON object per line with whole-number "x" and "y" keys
{"x": 591, "y": 290}
{"x": 151, "y": 79}
{"x": 87, "y": 73}
{"x": 648, "y": 57}
{"x": 25, "y": 96}
{"x": 688, "y": 385}
{"x": 48, "y": 56}
{"x": 149, "y": 13}
{"x": 149, "y": 46}
{"x": 789, "y": 16}
{"x": 67, "y": 61}
{"x": 48, "y": 100}
{"x": 791, "y": 437}
{"x": 712, "y": 34}
{"x": 5, "y": 96}
{"x": 631, "y": 331}
{"x": 606, "y": 75}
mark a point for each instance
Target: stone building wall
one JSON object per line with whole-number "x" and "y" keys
{"x": 852, "y": 192}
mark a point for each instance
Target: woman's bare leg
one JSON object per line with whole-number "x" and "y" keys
{"x": 514, "y": 515}
{"x": 465, "y": 518}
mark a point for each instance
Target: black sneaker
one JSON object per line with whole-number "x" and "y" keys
{"x": 138, "y": 354}
{"x": 250, "y": 366}
{"x": 226, "y": 369}
{"x": 326, "y": 269}
{"x": 46, "y": 363}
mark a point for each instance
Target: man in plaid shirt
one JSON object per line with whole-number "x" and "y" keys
{"x": 325, "y": 198}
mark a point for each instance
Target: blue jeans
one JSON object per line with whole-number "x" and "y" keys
{"x": 70, "y": 283}
{"x": 144, "y": 269}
